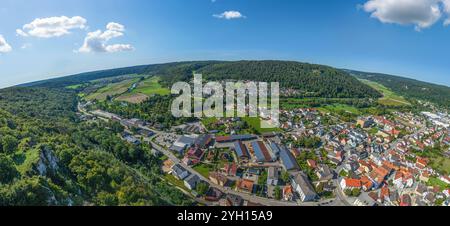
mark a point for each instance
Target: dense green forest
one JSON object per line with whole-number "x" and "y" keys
{"x": 49, "y": 157}
{"x": 155, "y": 110}
{"x": 309, "y": 79}
{"x": 409, "y": 88}
{"x": 312, "y": 80}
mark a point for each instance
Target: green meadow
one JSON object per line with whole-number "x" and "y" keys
{"x": 389, "y": 98}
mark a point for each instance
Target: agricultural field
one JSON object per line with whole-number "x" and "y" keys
{"x": 143, "y": 90}
{"x": 151, "y": 86}
{"x": 132, "y": 98}
{"x": 112, "y": 89}
{"x": 389, "y": 98}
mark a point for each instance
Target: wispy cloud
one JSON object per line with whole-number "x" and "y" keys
{"x": 4, "y": 46}
{"x": 26, "y": 46}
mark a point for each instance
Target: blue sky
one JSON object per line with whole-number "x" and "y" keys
{"x": 371, "y": 35}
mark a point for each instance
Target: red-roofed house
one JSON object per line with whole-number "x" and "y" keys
{"x": 349, "y": 183}
{"x": 288, "y": 195}
{"x": 384, "y": 194}
{"x": 230, "y": 169}
{"x": 366, "y": 183}
{"x": 311, "y": 163}
{"x": 245, "y": 185}
{"x": 421, "y": 163}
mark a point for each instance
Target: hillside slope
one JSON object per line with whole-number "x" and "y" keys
{"x": 309, "y": 79}
{"x": 49, "y": 157}
{"x": 409, "y": 88}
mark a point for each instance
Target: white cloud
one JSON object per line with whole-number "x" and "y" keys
{"x": 118, "y": 48}
{"x": 19, "y": 32}
{"x": 52, "y": 26}
{"x": 115, "y": 26}
{"x": 447, "y": 11}
{"x": 229, "y": 15}
{"x": 420, "y": 13}
{"x": 4, "y": 46}
{"x": 97, "y": 41}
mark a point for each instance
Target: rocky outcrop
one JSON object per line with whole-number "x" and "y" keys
{"x": 48, "y": 162}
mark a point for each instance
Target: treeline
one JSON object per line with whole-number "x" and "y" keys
{"x": 155, "y": 110}
{"x": 49, "y": 157}
{"x": 319, "y": 102}
{"x": 309, "y": 80}
{"x": 177, "y": 71}
{"x": 410, "y": 88}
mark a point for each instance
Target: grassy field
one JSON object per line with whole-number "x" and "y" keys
{"x": 25, "y": 161}
{"x": 175, "y": 181}
{"x": 150, "y": 87}
{"x": 437, "y": 159}
{"x": 437, "y": 182}
{"x": 74, "y": 86}
{"x": 135, "y": 98}
{"x": 389, "y": 98}
{"x": 440, "y": 163}
{"x": 144, "y": 89}
{"x": 209, "y": 122}
{"x": 255, "y": 123}
{"x": 339, "y": 107}
{"x": 112, "y": 89}
{"x": 203, "y": 169}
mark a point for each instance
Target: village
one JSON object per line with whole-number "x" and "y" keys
{"x": 377, "y": 161}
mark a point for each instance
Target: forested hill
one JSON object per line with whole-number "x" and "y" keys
{"x": 49, "y": 157}
{"x": 409, "y": 88}
{"x": 308, "y": 79}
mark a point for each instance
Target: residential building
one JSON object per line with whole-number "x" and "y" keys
{"x": 179, "y": 172}
{"x": 191, "y": 181}
{"x": 303, "y": 187}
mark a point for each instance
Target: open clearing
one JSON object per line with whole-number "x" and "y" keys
{"x": 255, "y": 123}
{"x": 339, "y": 107}
{"x": 389, "y": 98}
{"x": 150, "y": 87}
{"x": 144, "y": 90}
{"x": 112, "y": 89}
{"x": 440, "y": 163}
{"x": 132, "y": 98}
